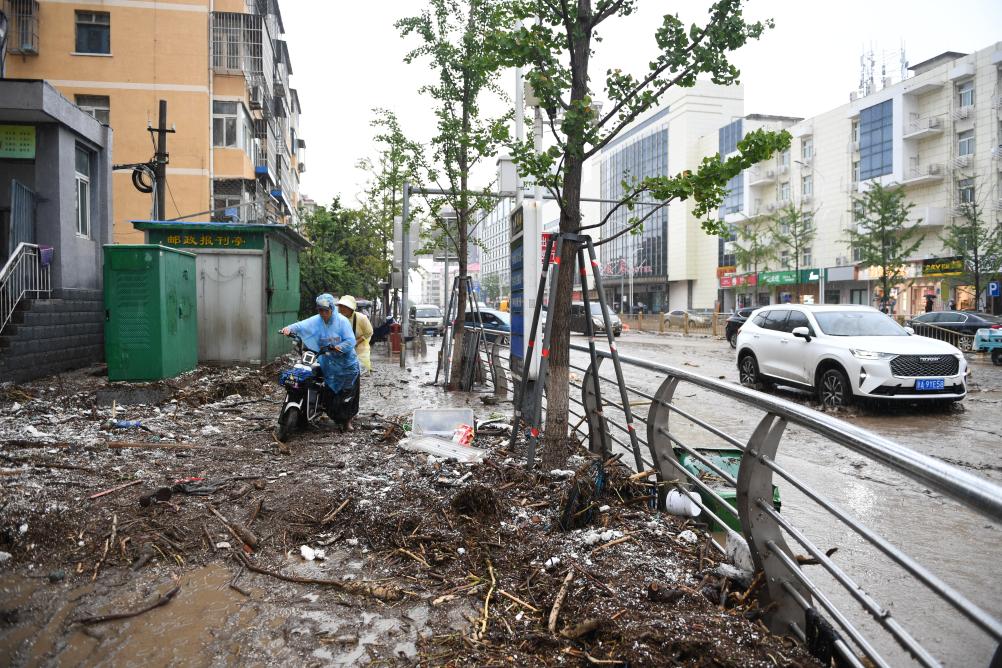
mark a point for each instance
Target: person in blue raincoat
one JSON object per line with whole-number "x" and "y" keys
{"x": 328, "y": 329}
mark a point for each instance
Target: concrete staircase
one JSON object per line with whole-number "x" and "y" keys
{"x": 47, "y": 336}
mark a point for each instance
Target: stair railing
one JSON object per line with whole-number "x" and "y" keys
{"x": 25, "y": 274}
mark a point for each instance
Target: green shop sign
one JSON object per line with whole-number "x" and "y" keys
{"x": 788, "y": 277}
{"x": 195, "y": 238}
{"x": 17, "y": 141}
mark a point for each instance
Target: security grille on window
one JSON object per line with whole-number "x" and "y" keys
{"x": 237, "y": 44}
{"x": 965, "y": 191}
{"x": 965, "y": 143}
{"x": 965, "y": 93}
{"x": 83, "y": 191}
{"x": 97, "y": 106}
{"x": 93, "y": 32}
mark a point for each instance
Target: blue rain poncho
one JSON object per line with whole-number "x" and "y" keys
{"x": 340, "y": 367}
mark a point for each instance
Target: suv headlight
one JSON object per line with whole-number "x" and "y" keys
{"x": 598, "y": 322}
{"x": 870, "y": 355}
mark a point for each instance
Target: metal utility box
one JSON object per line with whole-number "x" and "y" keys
{"x": 247, "y": 281}
{"x": 150, "y": 329}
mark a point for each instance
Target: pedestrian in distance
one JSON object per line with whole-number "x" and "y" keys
{"x": 953, "y": 305}
{"x": 929, "y": 299}
{"x": 362, "y": 328}
{"x": 329, "y": 331}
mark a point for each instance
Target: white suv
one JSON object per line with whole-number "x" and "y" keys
{"x": 843, "y": 352}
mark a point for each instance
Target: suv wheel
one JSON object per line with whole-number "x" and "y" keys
{"x": 733, "y": 339}
{"x": 748, "y": 371}
{"x": 834, "y": 390}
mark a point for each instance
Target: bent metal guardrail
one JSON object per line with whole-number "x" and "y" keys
{"x": 791, "y": 594}
{"x": 24, "y": 273}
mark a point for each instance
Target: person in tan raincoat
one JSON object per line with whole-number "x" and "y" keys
{"x": 348, "y": 307}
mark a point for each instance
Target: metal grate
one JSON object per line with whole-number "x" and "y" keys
{"x": 22, "y": 31}
{"x": 237, "y": 45}
{"x": 925, "y": 365}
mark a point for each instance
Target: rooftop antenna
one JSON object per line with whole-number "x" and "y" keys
{"x": 904, "y": 62}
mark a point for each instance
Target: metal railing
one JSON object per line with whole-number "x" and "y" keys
{"x": 709, "y": 324}
{"x": 964, "y": 342}
{"x": 25, "y": 274}
{"x": 792, "y": 596}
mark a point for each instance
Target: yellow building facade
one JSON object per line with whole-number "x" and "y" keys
{"x": 223, "y": 68}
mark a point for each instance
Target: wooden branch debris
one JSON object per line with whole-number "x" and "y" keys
{"x": 240, "y": 532}
{"x": 163, "y": 599}
{"x": 113, "y": 490}
{"x": 331, "y": 515}
{"x": 381, "y": 592}
{"x": 559, "y": 601}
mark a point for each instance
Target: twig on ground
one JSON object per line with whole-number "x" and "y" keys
{"x": 380, "y": 592}
{"x": 332, "y": 514}
{"x": 113, "y": 490}
{"x": 487, "y": 603}
{"x": 502, "y": 592}
{"x": 163, "y": 599}
{"x": 559, "y": 601}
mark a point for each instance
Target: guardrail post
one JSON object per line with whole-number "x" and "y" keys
{"x": 661, "y": 323}
{"x": 598, "y": 427}
{"x": 662, "y": 452}
{"x": 759, "y": 529}
{"x": 685, "y": 324}
{"x": 500, "y": 377}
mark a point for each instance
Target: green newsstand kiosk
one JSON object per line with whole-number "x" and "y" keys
{"x": 247, "y": 281}
{"x": 150, "y": 328}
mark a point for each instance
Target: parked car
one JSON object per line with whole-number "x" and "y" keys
{"x": 962, "y": 322}
{"x": 427, "y": 319}
{"x": 579, "y": 323}
{"x": 734, "y": 323}
{"x": 497, "y": 324}
{"x": 676, "y": 318}
{"x": 847, "y": 352}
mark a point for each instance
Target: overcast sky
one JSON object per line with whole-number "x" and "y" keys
{"x": 348, "y": 58}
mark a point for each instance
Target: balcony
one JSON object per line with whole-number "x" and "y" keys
{"x": 924, "y": 174}
{"x": 759, "y": 176}
{"x": 923, "y": 127}
{"x": 22, "y": 29}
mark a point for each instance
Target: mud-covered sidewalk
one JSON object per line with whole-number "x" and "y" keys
{"x": 348, "y": 550}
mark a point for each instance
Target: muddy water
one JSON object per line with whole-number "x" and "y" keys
{"x": 951, "y": 541}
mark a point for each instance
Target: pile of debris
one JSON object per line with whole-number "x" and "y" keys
{"x": 472, "y": 563}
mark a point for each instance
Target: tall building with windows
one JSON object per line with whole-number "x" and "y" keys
{"x": 222, "y": 66}
{"x": 663, "y": 266}
{"x": 938, "y": 134}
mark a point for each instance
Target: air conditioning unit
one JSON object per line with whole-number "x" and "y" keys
{"x": 934, "y": 169}
{"x": 770, "y": 207}
{"x": 841, "y": 260}
{"x": 962, "y": 161}
{"x": 962, "y": 113}
{"x": 256, "y": 97}
{"x": 770, "y": 173}
{"x": 933, "y": 123}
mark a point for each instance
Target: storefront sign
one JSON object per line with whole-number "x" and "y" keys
{"x": 750, "y": 280}
{"x": 727, "y": 281}
{"x": 787, "y": 277}
{"x": 723, "y": 271}
{"x": 873, "y": 273}
{"x": 17, "y": 141}
{"x": 835, "y": 274}
{"x": 943, "y": 266}
{"x": 544, "y": 239}
{"x": 810, "y": 275}
{"x": 197, "y": 239}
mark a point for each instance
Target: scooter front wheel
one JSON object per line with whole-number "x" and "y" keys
{"x": 287, "y": 424}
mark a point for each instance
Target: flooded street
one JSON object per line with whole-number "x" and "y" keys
{"x": 952, "y": 541}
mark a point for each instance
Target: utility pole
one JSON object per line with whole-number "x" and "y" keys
{"x": 160, "y": 160}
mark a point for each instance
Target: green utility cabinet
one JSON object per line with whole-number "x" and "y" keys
{"x": 150, "y": 329}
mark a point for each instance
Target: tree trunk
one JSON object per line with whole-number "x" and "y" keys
{"x": 557, "y": 388}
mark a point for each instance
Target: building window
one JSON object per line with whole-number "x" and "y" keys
{"x": 806, "y": 148}
{"x": 83, "y": 197}
{"x": 93, "y": 32}
{"x": 784, "y": 159}
{"x": 97, "y": 106}
{"x": 784, "y": 191}
{"x": 784, "y": 259}
{"x": 855, "y": 171}
{"x": 232, "y": 126}
{"x": 855, "y": 131}
{"x": 965, "y": 143}
{"x": 807, "y": 185}
{"x": 808, "y": 257}
{"x": 807, "y": 217}
{"x": 875, "y": 140}
{"x": 965, "y": 191}
{"x": 965, "y": 93}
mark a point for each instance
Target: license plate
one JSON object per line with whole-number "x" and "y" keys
{"x": 929, "y": 384}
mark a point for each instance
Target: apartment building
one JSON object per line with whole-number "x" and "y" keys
{"x": 223, "y": 67}
{"x": 672, "y": 262}
{"x": 937, "y": 133}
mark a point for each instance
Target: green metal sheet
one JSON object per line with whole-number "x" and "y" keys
{"x": 150, "y": 312}
{"x": 727, "y": 460}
